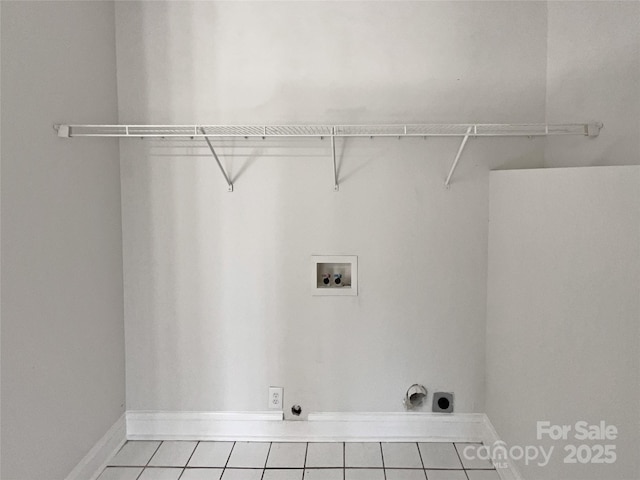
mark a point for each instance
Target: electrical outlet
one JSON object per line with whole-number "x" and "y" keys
{"x": 275, "y": 398}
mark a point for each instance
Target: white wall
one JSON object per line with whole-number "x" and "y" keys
{"x": 217, "y": 301}
{"x": 563, "y": 336}
{"x": 62, "y": 299}
{"x": 593, "y": 74}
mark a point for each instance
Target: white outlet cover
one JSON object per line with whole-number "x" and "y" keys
{"x": 275, "y": 398}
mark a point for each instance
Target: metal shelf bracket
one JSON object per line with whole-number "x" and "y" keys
{"x": 224, "y": 173}
{"x": 457, "y": 159}
{"x": 336, "y": 186}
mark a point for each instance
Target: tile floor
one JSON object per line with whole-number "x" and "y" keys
{"x": 182, "y": 460}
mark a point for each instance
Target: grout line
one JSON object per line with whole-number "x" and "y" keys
{"x": 421, "y": 461}
{"x": 188, "y": 460}
{"x": 149, "y": 461}
{"x": 112, "y": 457}
{"x": 266, "y": 460}
{"x": 455, "y": 447}
{"x": 420, "y": 455}
{"x": 417, "y": 469}
{"x": 344, "y": 460}
{"x": 228, "y": 458}
{"x": 154, "y": 454}
{"x": 304, "y": 465}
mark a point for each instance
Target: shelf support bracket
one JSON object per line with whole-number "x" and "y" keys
{"x": 224, "y": 173}
{"x": 336, "y": 187}
{"x": 457, "y": 159}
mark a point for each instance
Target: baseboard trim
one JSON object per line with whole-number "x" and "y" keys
{"x": 90, "y": 467}
{"x": 269, "y": 426}
{"x": 490, "y": 437}
{"x": 162, "y": 425}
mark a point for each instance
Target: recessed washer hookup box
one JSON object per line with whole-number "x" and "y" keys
{"x": 334, "y": 275}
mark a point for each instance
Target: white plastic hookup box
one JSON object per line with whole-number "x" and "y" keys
{"x": 334, "y": 275}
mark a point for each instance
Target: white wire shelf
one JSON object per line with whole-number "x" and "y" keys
{"x": 408, "y": 130}
{"x": 464, "y": 130}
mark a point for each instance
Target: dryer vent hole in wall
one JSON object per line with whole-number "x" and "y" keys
{"x": 415, "y": 396}
{"x": 296, "y": 410}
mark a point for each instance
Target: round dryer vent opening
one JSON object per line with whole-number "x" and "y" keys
{"x": 415, "y": 397}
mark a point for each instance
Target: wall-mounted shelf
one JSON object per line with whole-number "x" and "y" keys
{"x": 331, "y": 131}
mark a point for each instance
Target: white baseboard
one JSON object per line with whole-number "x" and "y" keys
{"x": 159, "y": 425}
{"x": 490, "y": 437}
{"x": 94, "y": 462}
{"x": 269, "y": 426}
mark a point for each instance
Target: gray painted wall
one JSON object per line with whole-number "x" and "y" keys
{"x": 563, "y": 336}
{"x": 593, "y": 74}
{"x": 62, "y": 297}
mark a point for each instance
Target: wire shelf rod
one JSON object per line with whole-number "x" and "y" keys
{"x": 465, "y": 130}
{"x": 264, "y": 131}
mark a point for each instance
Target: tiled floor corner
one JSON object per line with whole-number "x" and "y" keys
{"x": 189, "y": 460}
